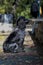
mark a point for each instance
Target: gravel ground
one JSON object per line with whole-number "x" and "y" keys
{"x": 29, "y": 57}
{"x": 21, "y": 58}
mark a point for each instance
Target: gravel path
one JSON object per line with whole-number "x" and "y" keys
{"x": 20, "y": 59}
{"x": 29, "y": 57}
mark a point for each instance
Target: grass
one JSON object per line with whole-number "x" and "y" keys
{"x": 2, "y": 37}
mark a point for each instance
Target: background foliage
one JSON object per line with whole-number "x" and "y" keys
{"x": 18, "y": 7}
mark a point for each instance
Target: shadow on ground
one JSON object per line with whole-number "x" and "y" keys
{"x": 23, "y": 58}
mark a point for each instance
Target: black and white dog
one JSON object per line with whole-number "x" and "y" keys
{"x": 15, "y": 40}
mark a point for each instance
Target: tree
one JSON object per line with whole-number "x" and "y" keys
{"x": 23, "y": 8}
{"x": 6, "y": 5}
